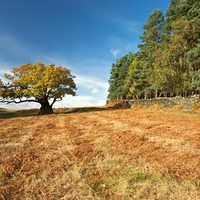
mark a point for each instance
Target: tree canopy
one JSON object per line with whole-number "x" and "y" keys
{"x": 167, "y": 63}
{"x": 43, "y": 84}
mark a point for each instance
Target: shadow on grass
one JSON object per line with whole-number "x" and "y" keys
{"x": 7, "y": 113}
{"x": 84, "y": 109}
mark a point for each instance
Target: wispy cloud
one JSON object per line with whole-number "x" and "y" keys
{"x": 92, "y": 91}
{"x": 92, "y": 87}
{"x": 129, "y": 25}
{"x": 18, "y": 50}
{"x": 90, "y": 82}
{"x": 11, "y": 45}
{"x": 4, "y": 68}
{"x": 95, "y": 90}
{"x": 114, "y": 52}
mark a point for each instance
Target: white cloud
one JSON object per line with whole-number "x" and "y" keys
{"x": 67, "y": 102}
{"x": 20, "y": 106}
{"x": 114, "y": 52}
{"x": 94, "y": 94}
{"x": 94, "y": 90}
{"x": 4, "y": 69}
{"x": 80, "y": 101}
{"x": 91, "y": 90}
{"x": 90, "y": 82}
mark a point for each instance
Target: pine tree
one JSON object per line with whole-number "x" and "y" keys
{"x": 181, "y": 33}
{"x": 167, "y": 63}
{"x": 151, "y": 43}
{"x": 136, "y": 82}
{"x": 117, "y": 89}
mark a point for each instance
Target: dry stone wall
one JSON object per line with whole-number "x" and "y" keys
{"x": 186, "y": 102}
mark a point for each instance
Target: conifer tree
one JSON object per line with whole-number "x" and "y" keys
{"x": 117, "y": 89}
{"x": 167, "y": 63}
{"x": 151, "y": 43}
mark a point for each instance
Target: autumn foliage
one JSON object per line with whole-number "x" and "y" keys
{"x": 44, "y": 84}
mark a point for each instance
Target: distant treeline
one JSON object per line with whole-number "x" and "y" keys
{"x": 168, "y": 61}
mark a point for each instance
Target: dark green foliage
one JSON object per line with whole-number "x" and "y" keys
{"x": 168, "y": 61}
{"x": 118, "y": 76}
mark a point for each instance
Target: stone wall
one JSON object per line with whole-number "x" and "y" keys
{"x": 186, "y": 102}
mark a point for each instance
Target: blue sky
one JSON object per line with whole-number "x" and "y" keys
{"x": 85, "y": 36}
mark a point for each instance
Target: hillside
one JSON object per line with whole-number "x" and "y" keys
{"x": 101, "y": 154}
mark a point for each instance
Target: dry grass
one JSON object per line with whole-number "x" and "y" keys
{"x": 117, "y": 105}
{"x": 108, "y": 154}
{"x": 157, "y": 106}
{"x": 177, "y": 107}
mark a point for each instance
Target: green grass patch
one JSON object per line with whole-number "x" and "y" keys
{"x": 115, "y": 181}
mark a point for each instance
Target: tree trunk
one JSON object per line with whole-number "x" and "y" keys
{"x": 156, "y": 94}
{"x": 145, "y": 95}
{"x": 45, "y": 108}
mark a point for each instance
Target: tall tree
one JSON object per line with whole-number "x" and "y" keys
{"x": 43, "y": 84}
{"x": 136, "y": 81}
{"x": 117, "y": 89}
{"x": 181, "y": 34}
{"x": 167, "y": 62}
{"x": 151, "y": 43}
{"x": 194, "y": 60}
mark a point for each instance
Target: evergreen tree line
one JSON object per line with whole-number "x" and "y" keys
{"x": 168, "y": 61}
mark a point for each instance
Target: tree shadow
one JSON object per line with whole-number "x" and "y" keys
{"x": 8, "y": 113}
{"x": 84, "y": 109}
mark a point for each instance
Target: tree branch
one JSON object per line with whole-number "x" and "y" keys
{"x": 20, "y": 101}
{"x": 54, "y": 100}
{"x": 48, "y": 93}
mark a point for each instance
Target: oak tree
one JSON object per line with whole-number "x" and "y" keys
{"x": 43, "y": 84}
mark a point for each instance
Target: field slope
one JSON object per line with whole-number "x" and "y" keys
{"x": 101, "y": 154}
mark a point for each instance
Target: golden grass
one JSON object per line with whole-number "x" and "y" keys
{"x": 116, "y": 154}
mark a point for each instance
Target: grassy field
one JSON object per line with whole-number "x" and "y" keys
{"x": 99, "y": 153}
